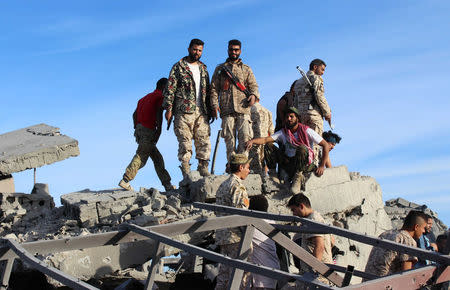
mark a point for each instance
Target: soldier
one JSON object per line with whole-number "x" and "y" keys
{"x": 234, "y": 103}
{"x": 313, "y": 109}
{"x": 187, "y": 98}
{"x": 383, "y": 262}
{"x": 232, "y": 193}
{"x": 147, "y": 119}
{"x": 262, "y": 126}
{"x": 318, "y": 245}
{"x": 295, "y": 155}
{"x": 285, "y": 102}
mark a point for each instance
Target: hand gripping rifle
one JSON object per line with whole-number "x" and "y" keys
{"x": 302, "y": 72}
{"x": 236, "y": 81}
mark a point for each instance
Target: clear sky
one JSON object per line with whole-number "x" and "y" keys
{"x": 83, "y": 65}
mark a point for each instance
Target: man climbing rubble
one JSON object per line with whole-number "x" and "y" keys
{"x": 232, "y": 192}
{"x": 147, "y": 119}
{"x": 319, "y": 245}
{"x": 295, "y": 154}
{"x": 187, "y": 99}
{"x": 383, "y": 262}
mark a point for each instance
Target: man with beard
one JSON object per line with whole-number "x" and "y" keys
{"x": 187, "y": 98}
{"x": 234, "y": 103}
{"x": 295, "y": 155}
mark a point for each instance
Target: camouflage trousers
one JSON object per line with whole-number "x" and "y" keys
{"x": 224, "y": 276}
{"x": 188, "y": 127}
{"x": 299, "y": 162}
{"x": 146, "y": 139}
{"x": 236, "y": 126}
{"x": 315, "y": 122}
{"x": 257, "y": 164}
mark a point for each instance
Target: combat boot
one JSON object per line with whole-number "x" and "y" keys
{"x": 296, "y": 182}
{"x": 202, "y": 168}
{"x": 185, "y": 169}
{"x": 125, "y": 185}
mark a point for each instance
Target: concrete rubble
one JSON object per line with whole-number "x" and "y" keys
{"x": 345, "y": 199}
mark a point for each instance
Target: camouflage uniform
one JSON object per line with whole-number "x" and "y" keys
{"x": 190, "y": 120}
{"x": 262, "y": 127}
{"x": 312, "y": 111}
{"x": 308, "y": 245}
{"x": 234, "y": 111}
{"x": 230, "y": 193}
{"x": 383, "y": 262}
{"x": 146, "y": 138}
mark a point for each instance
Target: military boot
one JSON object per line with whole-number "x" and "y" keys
{"x": 202, "y": 168}
{"x": 125, "y": 185}
{"x": 297, "y": 182}
{"x": 185, "y": 169}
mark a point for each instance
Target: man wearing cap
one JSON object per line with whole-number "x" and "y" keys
{"x": 295, "y": 155}
{"x": 232, "y": 192}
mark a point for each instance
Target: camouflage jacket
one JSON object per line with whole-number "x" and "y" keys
{"x": 180, "y": 96}
{"x": 231, "y": 193}
{"x": 384, "y": 262}
{"x": 262, "y": 123}
{"x": 223, "y": 91}
{"x": 304, "y": 96}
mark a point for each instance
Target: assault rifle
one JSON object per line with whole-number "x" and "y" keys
{"x": 313, "y": 90}
{"x": 236, "y": 81}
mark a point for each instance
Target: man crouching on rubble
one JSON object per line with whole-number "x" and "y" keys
{"x": 232, "y": 193}
{"x": 295, "y": 156}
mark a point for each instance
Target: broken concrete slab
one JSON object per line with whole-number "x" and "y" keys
{"x": 34, "y": 147}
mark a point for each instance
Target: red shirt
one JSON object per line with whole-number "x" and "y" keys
{"x": 147, "y": 109}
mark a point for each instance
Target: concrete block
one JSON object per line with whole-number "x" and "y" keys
{"x": 7, "y": 184}
{"x": 34, "y": 147}
{"x": 334, "y": 175}
{"x": 40, "y": 188}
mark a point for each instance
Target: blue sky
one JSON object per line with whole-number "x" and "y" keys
{"x": 83, "y": 65}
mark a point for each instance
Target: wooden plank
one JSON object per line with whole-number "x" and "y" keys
{"x": 158, "y": 253}
{"x": 425, "y": 254}
{"x": 244, "y": 252}
{"x": 246, "y": 266}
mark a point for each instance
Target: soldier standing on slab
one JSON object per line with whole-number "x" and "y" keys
{"x": 147, "y": 119}
{"x": 313, "y": 109}
{"x": 234, "y": 103}
{"x": 187, "y": 98}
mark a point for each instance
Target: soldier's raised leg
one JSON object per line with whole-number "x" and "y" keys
{"x": 228, "y": 134}
{"x": 202, "y": 132}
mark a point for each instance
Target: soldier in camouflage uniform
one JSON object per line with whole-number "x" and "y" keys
{"x": 234, "y": 104}
{"x": 147, "y": 119}
{"x": 313, "y": 109}
{"x": 262, "y": 126}
{"x": 232, "y": 193}
{"x": 383, "y": 262}
{"x": 187, "y": 97}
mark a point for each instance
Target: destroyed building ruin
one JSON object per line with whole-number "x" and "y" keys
{"x": 116, "y": 233}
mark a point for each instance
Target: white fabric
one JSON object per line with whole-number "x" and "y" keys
{"x": 196, "y": 74}
{"x": 280, "y": 137}
{"x": 265, "y": 254}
